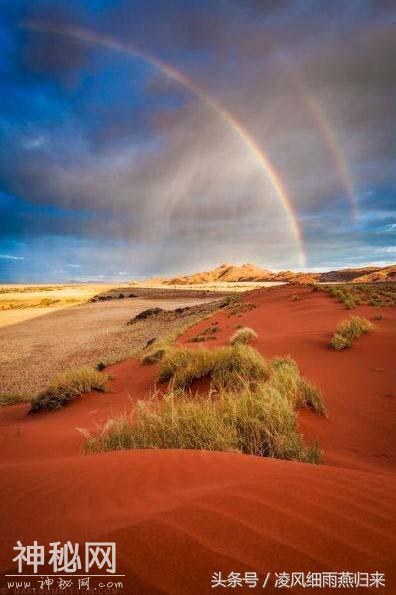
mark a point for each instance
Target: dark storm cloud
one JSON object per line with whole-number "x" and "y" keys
{"x": 88, "y": 129}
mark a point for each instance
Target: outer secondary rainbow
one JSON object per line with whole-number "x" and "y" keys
{"x": 335, "y": 148}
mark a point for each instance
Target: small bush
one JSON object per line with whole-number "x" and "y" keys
{"x": 100, "y": 366}
{"x": 154, "y": 356}
{"x": 243, "y": 335}
{"x": 67, "y": 387}
{"x": 348, "y": 331}
{"x": 295, "y": 298}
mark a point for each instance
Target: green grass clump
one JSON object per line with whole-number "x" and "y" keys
{"x": 258, "y": 422}
{"x": 67, "y": 387}
{"x": 285, "y": 377}
{"x": 227, "y": 367}
{"x": 348, "y": 331}
{"x": 243, "y": 335}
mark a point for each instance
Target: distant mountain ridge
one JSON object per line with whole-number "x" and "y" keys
{"x": 228, "y": 273}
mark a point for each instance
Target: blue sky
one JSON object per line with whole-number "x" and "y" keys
{"x": 114, "y": 167}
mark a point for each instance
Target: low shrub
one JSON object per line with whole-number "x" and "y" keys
{"x": 243, "y": 335}
{"x": 67, "y": 387}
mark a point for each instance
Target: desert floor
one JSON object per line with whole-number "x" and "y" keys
{"x": 180, "y": 516}
{"x": 60, "y": 337}
{"x": 22, "y": 302}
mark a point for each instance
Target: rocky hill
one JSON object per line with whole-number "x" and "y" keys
{"x": 227, "y": 273}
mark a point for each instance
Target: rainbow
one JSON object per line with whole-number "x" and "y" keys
{"x": 328, "y": 135}
{"x": 335, "y": 149}
{"x": 232, "y": 122}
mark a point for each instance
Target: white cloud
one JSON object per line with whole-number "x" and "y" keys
{"x": 11, "y": 257}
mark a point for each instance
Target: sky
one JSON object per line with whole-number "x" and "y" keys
{"x": 158, "y": 137}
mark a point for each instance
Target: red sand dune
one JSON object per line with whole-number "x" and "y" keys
{"x": 179, "y": 516}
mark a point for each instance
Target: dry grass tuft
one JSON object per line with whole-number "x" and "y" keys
{"x": 286, "y": 378}
{"x": 67, "y": 387}
{"x": 12, "y": 399}
{"x": 252, "y": 410}
{"x": 348, "y": 331}
{"x": 227, "y": 367}
{"x": 155, "y": 355}
{"x": 237, "y": 365}
{"x": 243, "y": 335}
{"x": 355, "y": 294}
{"x": 183, "y": 366}
{"x": 257, "y": 422}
